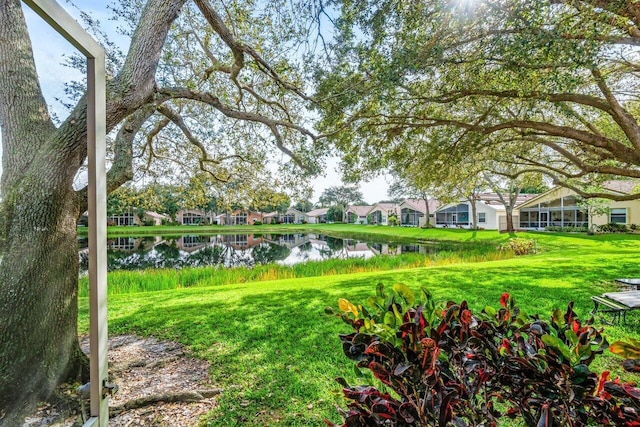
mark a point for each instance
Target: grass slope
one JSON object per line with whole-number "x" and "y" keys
{"x": 275, "y": 353}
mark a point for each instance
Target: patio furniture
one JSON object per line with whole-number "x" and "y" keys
{"x": 629, "y": 282}
{"x": 618, "y": 303}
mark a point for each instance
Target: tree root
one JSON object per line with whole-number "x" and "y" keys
{"x": 121, "y": 367}
{"x": 185, "y": 397}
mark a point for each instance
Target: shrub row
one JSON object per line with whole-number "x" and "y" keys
{"x": 567, "y": 229}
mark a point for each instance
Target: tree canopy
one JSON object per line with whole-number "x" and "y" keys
{"x": 341, "y": 196}
{"x": 546, "y": 87}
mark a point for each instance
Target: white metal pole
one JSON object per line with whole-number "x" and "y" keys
{"x": 66, "y": 26}
{"x": 96, "y": 127}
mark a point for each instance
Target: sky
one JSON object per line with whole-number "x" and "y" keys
{"x": 50, "y": 50}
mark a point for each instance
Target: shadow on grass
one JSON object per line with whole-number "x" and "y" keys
{"x": 276, "y": 353}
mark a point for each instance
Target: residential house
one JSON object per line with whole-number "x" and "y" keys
{"x": 379, "y": 213}
{"x": 271, "y": 218}
{"x": 293, "y": 216}
{"x": 192, "y": 217}
{"x": 221, "y": 219}
{"x": 317, "y": 216}
{"x": 357, "y": 214}
{"x": 413, "y": 211}
{"x": 243, "y": 217}
{"x": 192, "y": 244}
{"x": 291, "y": 240}
{"x": 560, "y": 207}
{"x": 241, "y": 241}
{"x": 132, "y": 217}
{"x": 491, "y": 212}
{"x": 154, "y": 217}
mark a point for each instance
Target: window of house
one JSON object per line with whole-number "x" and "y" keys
{"x": 482, "y": 217}
{"x": 618, "y": 215}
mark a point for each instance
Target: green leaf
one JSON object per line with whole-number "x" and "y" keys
{"x": 584, "y": 352}
{"x": 389, "y": 319}
{"x": 557, "y": 343}
{"x": 490, "y": 311}
{"x": 329, "y": 310}
{"x": 397, "y": 314}
{"x": 571, "y": 336}
{"x": 426, "y": 296}
{"x": 406, "y": 293}
{"x": 558, "y": 317}
{"x": 376, "y": 301}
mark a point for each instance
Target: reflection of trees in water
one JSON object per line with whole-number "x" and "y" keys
{"x": 334, "y": 243}
{"x": 335, "y": 248}
{"x": 234, "y": 251}
{"x": 168, "y": 249}
{"x": 266, "y": 253}
{"x": 305, "y": 247}
{"x": 167, "y": 254}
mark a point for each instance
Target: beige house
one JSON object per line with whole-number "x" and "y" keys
{"x": 560, "y": 207}
{"x": 317, "y": 216}
{"x": 413, "y": 211}
{"x": 131, "y": 217}
{"x": 357, "y": 214}
{"x": 379, "y": 214}
{"x": 192, "y": 217}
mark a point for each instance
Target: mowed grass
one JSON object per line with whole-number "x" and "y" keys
{"x": 276, "y": 353}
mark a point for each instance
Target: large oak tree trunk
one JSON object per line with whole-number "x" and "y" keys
{"x": 39, "y": 208}
{"x": 39, "y": 264}
{"x": 38, "y": 296}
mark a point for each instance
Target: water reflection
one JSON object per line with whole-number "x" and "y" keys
{"x": 235, "y": 250}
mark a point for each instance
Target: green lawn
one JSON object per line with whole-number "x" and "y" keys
{"x": 275, "y": 353}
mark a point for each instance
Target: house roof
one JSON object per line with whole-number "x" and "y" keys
{"x": 491, "y": 200}
{"x": 317, "y": 212}
{"x": 270, "y": 215}
{"x": 620, "y": 186}
{"x": 420, "y": 205}
{"x": 492, "y": 206}
{"x": 360, "y": 210}
{"x": 295, "y": 211}
{"x": 616, "y": 186}
{"x": 385, "y": 207}
{"x": 155, "y": 215}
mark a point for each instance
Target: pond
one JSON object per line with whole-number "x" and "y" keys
{"x": 238, "y": 250}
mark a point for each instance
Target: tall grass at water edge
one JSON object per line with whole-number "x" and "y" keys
{"x": 122, "y": 282}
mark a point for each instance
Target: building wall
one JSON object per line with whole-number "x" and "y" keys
{"x": 383, "y": 216}
{"x": 632, "y": 206}
{"x": 491, "y": 215}
{"x": 181, "y": 214}
{"x": 156, "y": 220}
{"x": 492, "y": 220}
{"x": 633, "y": 212}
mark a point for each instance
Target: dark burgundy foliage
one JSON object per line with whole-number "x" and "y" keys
{"x": 450, "y": 367}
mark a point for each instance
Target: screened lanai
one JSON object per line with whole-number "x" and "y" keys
{"x": 561, "y": 212}
{"x": 453, "y": 216}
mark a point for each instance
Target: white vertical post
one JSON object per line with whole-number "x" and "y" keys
{"x": 96, "y": 127}
{"x": 66, "y": 26}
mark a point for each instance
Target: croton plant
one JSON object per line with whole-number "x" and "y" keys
{"x": 448, "y": 366}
